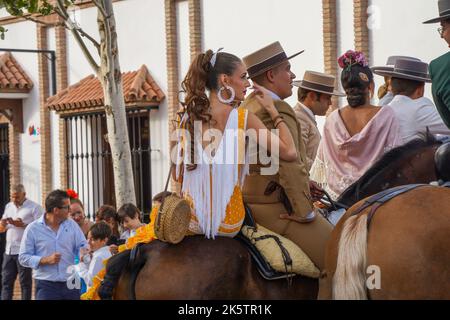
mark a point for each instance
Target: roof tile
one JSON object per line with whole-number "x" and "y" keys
{"x": 12, "y": 76}
{"x": 138, "y": 87}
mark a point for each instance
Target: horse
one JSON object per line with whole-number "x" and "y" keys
{"x": 198, "y": 268}
{"x": 405, "y": 246}
{"x": 409, "y": 163}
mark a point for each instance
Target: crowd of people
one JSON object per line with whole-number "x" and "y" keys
{"x": 61, "y": 238}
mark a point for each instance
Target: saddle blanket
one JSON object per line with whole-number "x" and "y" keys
{"x": 281, "y": 254}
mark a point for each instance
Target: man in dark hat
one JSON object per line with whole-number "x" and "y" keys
{"x": 385, "y": 92}
{"x": 440, "y": 67}
{"x": 414, "y": 112}
{"x": 282, "y": 202}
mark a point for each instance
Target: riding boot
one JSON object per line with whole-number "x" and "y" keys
{"x": 106, "y": 289}
{"x": 114, "y": 268}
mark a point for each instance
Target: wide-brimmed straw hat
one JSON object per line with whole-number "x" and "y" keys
{"x": 266, "y": 58}
{"x": 391, "y": 63}
{"x": 319, "y": 82}
{"x": 408, "y": 69}
{"x": 444, "y": 12}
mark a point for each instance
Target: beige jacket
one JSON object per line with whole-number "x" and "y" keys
{"x": 310, "y": 133}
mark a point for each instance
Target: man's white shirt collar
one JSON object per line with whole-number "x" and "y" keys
{"x": 308, "y": 111}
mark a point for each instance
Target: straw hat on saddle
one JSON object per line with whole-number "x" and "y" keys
{"x": 444, "y": 12}
{"x": 266, "y": 59}
{"x": 391, "y": 63}
{"x": 319, "y": 82}
{"x": 409, "y": 70}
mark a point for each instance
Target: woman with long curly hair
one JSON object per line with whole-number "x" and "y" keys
{"x": 212, "y": 148}
{"x": 212, "y": 172}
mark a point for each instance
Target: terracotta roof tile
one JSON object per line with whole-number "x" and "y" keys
{"x": 12, "y": 76}
{"x": 138, "y": 88}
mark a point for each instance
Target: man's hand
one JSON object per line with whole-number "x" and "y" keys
{"x": 316, "y": 191}
{"x": 18, "y": 223}
{"x": 4, "y": 223}
{"x": 50, "y": 260}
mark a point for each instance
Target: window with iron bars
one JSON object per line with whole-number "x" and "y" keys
{"x": 89, "y": 162}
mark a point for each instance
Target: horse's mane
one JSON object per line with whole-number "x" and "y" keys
{"x": 423, "y": 141}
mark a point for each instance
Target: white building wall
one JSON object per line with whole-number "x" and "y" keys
{"x": 54, "y": 125}
{"x": 400, "y": 32}
{"x": 141, "y": 39}
{"x": 242, "y": 27}
{"x": 23, "y": 36}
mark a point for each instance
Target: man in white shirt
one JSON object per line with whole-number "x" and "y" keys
{"x": 19, "y": 213}
{"x": 414, "y": 112}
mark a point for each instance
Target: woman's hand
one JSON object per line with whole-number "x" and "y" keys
{"x": 262, "y": 95}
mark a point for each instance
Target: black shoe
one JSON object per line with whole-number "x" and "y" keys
{"x": 106, "y": 290}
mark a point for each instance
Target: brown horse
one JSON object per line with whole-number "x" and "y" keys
{"x": 198, "y": 268}
{"x": 406, "y": 247}
{"x": 410, "y": 163}
{"x": 223, "y": 269}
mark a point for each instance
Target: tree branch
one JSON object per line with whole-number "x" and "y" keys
{"x": 100, "y": 8}
{"x": 30, "y": 18}
{"x": 62, "y": 12}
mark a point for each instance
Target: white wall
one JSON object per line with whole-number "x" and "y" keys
{"x": 401, "y": 32}
{"x": 54, "y": 125}
{"x": 141, "y": 39}
{"x": 18, "y": 37}
{"x": 242, "y": 27}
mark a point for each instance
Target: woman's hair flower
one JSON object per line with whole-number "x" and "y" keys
{"x": 351, "y": 58}
{"x": 72, "y": 194}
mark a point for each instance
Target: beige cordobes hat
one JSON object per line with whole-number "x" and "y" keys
{"x": 266, "y": 58}
{"x": 318, "y": 82}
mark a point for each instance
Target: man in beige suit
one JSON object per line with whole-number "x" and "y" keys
{"x": 282, "y": 202}
{"x": 314, "y": 99}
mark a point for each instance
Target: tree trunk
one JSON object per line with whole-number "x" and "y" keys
{"x": 111, "y": 78}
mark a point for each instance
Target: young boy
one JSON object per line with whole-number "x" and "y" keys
{"x": 92, "y": 262}
{"x": 130, "y": 218}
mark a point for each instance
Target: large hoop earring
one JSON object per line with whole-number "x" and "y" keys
{"x": 222, "y": 99}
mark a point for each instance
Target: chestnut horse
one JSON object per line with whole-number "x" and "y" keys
{"x": 223, "y": 269}
{"x": 406, "y": 247}
{"x": 198, "y": 268}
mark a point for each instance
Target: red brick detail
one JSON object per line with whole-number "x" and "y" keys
{"x": 362, "y": 34}
{"x": 46, "y": 150}
{"x": 329, "y": 16}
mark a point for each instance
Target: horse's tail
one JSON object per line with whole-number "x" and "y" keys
{"x": 350, "y": 277}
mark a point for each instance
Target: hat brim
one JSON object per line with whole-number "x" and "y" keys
{"x": 299, "y": 84}
{"x": 438, "y": 19}
{"x": 260, "y": 72}
{"x": 400, "y": 75}
{"x": 381, "y": 68}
